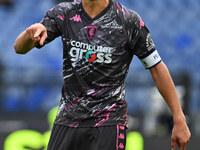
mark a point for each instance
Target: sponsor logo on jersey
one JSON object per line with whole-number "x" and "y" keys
{"x": 91, "y": 53}
{"x": 91, "y": 56}
{"x": 149, "y": 42}
{"x": 112, "y": 25}
{"x": 91, "y": 31}
{"x": 76, "y": 18}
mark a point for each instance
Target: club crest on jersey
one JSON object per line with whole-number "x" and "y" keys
{"x": 91, "y": 31}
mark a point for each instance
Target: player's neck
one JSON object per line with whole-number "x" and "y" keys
{"x": 94, "y": 7}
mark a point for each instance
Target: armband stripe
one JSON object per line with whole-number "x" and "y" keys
{"x": 151, "y": 60}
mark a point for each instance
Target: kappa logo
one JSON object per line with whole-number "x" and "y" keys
{"x": 76, "y": 18}
{"x": 91, "y": 31}
{"x": 121, "y": 146}
{"x": 112, "y": 25}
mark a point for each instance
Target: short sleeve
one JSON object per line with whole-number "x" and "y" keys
{"x": 142, "y": 44}
{"x": 53, "y": 21}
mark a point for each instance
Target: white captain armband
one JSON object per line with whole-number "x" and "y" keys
{"x": 151, "y": 60}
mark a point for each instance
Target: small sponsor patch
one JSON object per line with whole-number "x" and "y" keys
{"x": 149, "y": 42}
{"x": 112, "y": 25}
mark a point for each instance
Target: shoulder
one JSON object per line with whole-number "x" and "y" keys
{"x": 59, "y": 11}
{"x": 65, "y": 6}
{"x": 128, "y": 15}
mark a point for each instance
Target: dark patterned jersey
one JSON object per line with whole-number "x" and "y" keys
{"x": 97, "y": 53}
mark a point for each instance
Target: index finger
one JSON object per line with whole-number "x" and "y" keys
{"x": 37, "y": 33}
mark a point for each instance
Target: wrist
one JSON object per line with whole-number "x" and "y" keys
{"x": 179, "y": 118}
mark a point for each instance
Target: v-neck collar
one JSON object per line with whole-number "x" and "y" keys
{"x": 100, "y": 14}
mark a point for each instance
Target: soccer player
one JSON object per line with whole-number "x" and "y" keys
{"x": 99, "y": 37}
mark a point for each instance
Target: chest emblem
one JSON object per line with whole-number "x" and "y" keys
{"x": 91, "y": 31}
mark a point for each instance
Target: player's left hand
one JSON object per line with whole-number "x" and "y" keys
{"x": 180, "y": 135}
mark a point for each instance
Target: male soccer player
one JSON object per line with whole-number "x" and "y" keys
{"x": 99, "y": 38}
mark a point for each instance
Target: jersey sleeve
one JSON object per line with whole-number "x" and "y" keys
{"x": 53, "y": 21}
{"x": 143, "y": 45}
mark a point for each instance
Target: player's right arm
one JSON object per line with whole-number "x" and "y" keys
{"x": 27, "y": 40}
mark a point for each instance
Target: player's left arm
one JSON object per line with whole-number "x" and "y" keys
{"x": 180, "y": 133}
{"x": 143, "y": 47}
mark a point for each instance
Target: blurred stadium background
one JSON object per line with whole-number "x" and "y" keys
{"x": 30, "y": 84}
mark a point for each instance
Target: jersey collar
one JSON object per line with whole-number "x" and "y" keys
{"x": 100, "y": 14}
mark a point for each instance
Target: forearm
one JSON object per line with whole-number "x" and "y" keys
{"x": 23, "y": 43}
{"x": 165, "y": 85}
